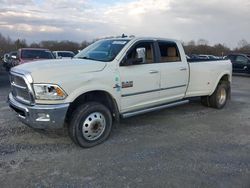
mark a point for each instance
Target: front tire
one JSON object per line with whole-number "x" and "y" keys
{"x": 90, "y": 124}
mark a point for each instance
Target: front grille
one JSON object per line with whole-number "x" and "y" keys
{"x": 20, "y": 89}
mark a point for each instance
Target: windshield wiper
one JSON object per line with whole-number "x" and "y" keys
{"x": 86, "y": 58}
{"x": 89, "y": 58}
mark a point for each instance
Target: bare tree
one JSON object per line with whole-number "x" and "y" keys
{"x": 202, "y": 42}
{"x": 242, "y": 43}
{"x": 20, "y": 43}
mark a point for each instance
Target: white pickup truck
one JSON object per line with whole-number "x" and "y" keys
{"x": 113, "y": 79}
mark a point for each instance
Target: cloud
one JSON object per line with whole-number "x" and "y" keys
{"x": 186, "y": 19}
{"x": 15, "y": 2}
{"x": 224, "y": 21}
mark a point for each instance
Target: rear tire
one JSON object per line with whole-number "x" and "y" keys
{"x": 220, "y": 96}
{"x": 90, "y": 124}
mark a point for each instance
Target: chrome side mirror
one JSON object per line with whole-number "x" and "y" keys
{"x": 141, "y": 54}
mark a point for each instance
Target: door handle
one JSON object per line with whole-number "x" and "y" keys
{"x": 183, "y": 69}
{"x": 153, "y": 71}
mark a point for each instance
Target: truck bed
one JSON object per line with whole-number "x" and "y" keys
{"x": 205, "y": 75}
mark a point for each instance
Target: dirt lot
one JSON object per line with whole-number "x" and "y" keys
{"x": 186, "y": 146}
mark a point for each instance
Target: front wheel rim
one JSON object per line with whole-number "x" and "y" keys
{"x": 93, "y": 126}
{"x": 222, "y": 96}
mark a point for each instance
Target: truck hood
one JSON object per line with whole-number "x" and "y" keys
{"x": 47, "y": 71}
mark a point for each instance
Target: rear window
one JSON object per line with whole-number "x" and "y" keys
{"x": 36, "y": 54}
{"x": 169, "y": 52}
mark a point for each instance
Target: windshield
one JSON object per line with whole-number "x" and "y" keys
{"x": 104, "y": 50}
{"x": 36, "y": 54}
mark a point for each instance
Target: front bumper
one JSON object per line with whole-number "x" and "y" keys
{"x": 40, "y": 116}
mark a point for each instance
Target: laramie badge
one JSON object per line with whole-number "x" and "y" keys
{"x": 127, "y": 84}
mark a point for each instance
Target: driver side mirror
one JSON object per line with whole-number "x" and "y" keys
{"x": 141, "y": 53}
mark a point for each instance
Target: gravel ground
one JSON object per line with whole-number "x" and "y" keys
{"x": 185, "y": 146}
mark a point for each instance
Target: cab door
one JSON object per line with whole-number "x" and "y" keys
{"x": 174, "y": 72}
{"x": 140, "y": 80}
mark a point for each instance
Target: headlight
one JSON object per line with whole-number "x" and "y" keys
{"x": 49, "y": 92}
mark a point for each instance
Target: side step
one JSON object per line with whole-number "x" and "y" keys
{"x": 134, "y": 113}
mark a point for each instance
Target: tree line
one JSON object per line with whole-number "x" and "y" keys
{"x": 202, "y": 47}
{"x": 8, "y": 45}
{"x": 192, "y": 47}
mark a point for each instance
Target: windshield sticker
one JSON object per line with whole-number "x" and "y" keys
{"x": 119, "y": 42}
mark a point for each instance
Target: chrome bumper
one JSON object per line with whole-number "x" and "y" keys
{"x": 40, "y": 116}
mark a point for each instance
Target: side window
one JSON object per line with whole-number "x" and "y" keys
{"x": 169, "y": 52}
{"x": 143, "y": 50}
{"x": 241, "y": 59}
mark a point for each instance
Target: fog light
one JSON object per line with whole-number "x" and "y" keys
{"x": 43, "y": 117}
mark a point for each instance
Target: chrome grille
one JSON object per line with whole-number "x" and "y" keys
{"x": 19, "y": 81}
{"x": 20, "y": 89}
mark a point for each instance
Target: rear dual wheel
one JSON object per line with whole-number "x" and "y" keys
{"x": 219, "y": 98}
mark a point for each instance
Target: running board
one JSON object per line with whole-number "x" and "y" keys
{"x": 130, "y": 114}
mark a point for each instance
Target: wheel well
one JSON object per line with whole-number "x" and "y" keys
{"x": 225, "y": 78}
{"x": 95, "y": 96}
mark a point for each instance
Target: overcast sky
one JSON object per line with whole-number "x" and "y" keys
{"x": 218, "y": 21}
